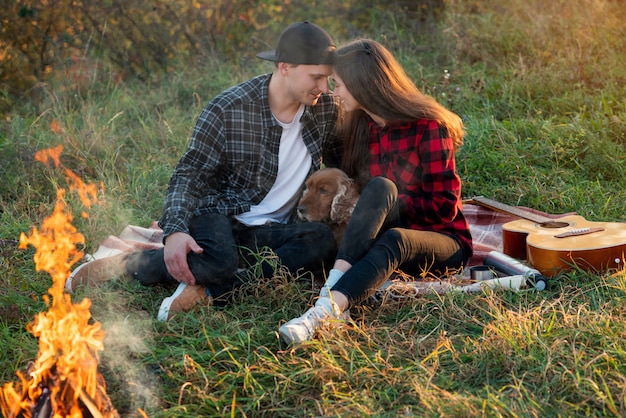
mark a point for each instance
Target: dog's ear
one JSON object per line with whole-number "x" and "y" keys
{"x": 344, "y": 201}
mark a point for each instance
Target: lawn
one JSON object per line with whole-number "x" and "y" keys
{"x": 541, "y": 87}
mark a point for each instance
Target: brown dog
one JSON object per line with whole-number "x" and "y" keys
{"x": 329, "y": 197}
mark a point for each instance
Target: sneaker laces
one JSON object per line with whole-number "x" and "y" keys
{"x": 323, "y": 309}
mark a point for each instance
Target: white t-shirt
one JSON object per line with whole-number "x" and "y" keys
{"x": 294, "y": 163}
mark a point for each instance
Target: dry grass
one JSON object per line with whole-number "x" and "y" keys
{"x": 541, "y": 90}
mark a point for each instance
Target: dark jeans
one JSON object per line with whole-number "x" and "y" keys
{"x": 376, "y": 244}
{"x": 309, "y": 245}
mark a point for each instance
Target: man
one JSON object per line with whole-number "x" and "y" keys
{"x": 240, "y": 179}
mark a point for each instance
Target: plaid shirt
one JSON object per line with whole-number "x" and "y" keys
{"x": 232, "y": 158}
{"x": 419, "y": 158}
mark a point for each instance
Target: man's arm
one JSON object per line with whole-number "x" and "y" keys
{"x": 189, "y": 182}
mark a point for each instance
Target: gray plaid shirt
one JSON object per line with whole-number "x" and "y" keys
{"x": 232, "y": 159}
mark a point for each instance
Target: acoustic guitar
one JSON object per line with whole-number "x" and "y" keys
{"x": 555, "y": 245}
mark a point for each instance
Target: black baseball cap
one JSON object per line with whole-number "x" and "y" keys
{"x": 302, "y": 43}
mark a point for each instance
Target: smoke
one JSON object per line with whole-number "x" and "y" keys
{"x": 128, "y": 334}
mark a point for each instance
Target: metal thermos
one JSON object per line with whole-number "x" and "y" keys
{"x": 512, "y": 267}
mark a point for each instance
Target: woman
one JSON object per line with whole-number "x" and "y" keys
{"x": 400, "y": 147}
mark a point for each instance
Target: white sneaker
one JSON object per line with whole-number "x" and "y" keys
{"x": 185, "y": 298}
{"x": 303, "y": 327}
{"x": 96, "y": 271}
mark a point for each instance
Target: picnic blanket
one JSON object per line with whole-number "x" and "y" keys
{"x": 485, "y": 225}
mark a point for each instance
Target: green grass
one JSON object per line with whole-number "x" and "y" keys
{"x": 541, "y": 90}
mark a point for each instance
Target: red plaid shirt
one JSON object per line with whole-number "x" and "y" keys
{"x": 419, "y": 158}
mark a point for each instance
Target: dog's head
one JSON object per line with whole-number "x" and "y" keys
{"x": 330, "y": 196}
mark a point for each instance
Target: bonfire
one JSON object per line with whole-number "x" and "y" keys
{"x": 64, "y": 380}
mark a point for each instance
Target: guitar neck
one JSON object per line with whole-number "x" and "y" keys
{"x": 510, "y": 210}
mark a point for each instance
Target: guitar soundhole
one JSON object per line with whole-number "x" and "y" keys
{"x": 553, "y": 224}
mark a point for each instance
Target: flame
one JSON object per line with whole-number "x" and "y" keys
{"x": 65, "y": 373}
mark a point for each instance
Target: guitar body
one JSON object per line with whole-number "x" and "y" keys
{"x": 559, "y": 244}
{"x": 591, "y": 246}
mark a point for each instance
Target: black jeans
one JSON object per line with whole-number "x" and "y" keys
{"x": 309, "y": 245}
{"x": 376, "y": 244}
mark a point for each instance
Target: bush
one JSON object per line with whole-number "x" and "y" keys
{"x": 143, "y": 39}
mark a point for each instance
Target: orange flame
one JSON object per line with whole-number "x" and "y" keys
{"x": 66, "y": 367}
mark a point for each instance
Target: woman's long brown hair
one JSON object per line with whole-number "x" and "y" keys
{"x": 379, "y": 84}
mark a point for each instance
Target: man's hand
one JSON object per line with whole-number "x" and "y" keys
{"x": 177, "y": 246}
